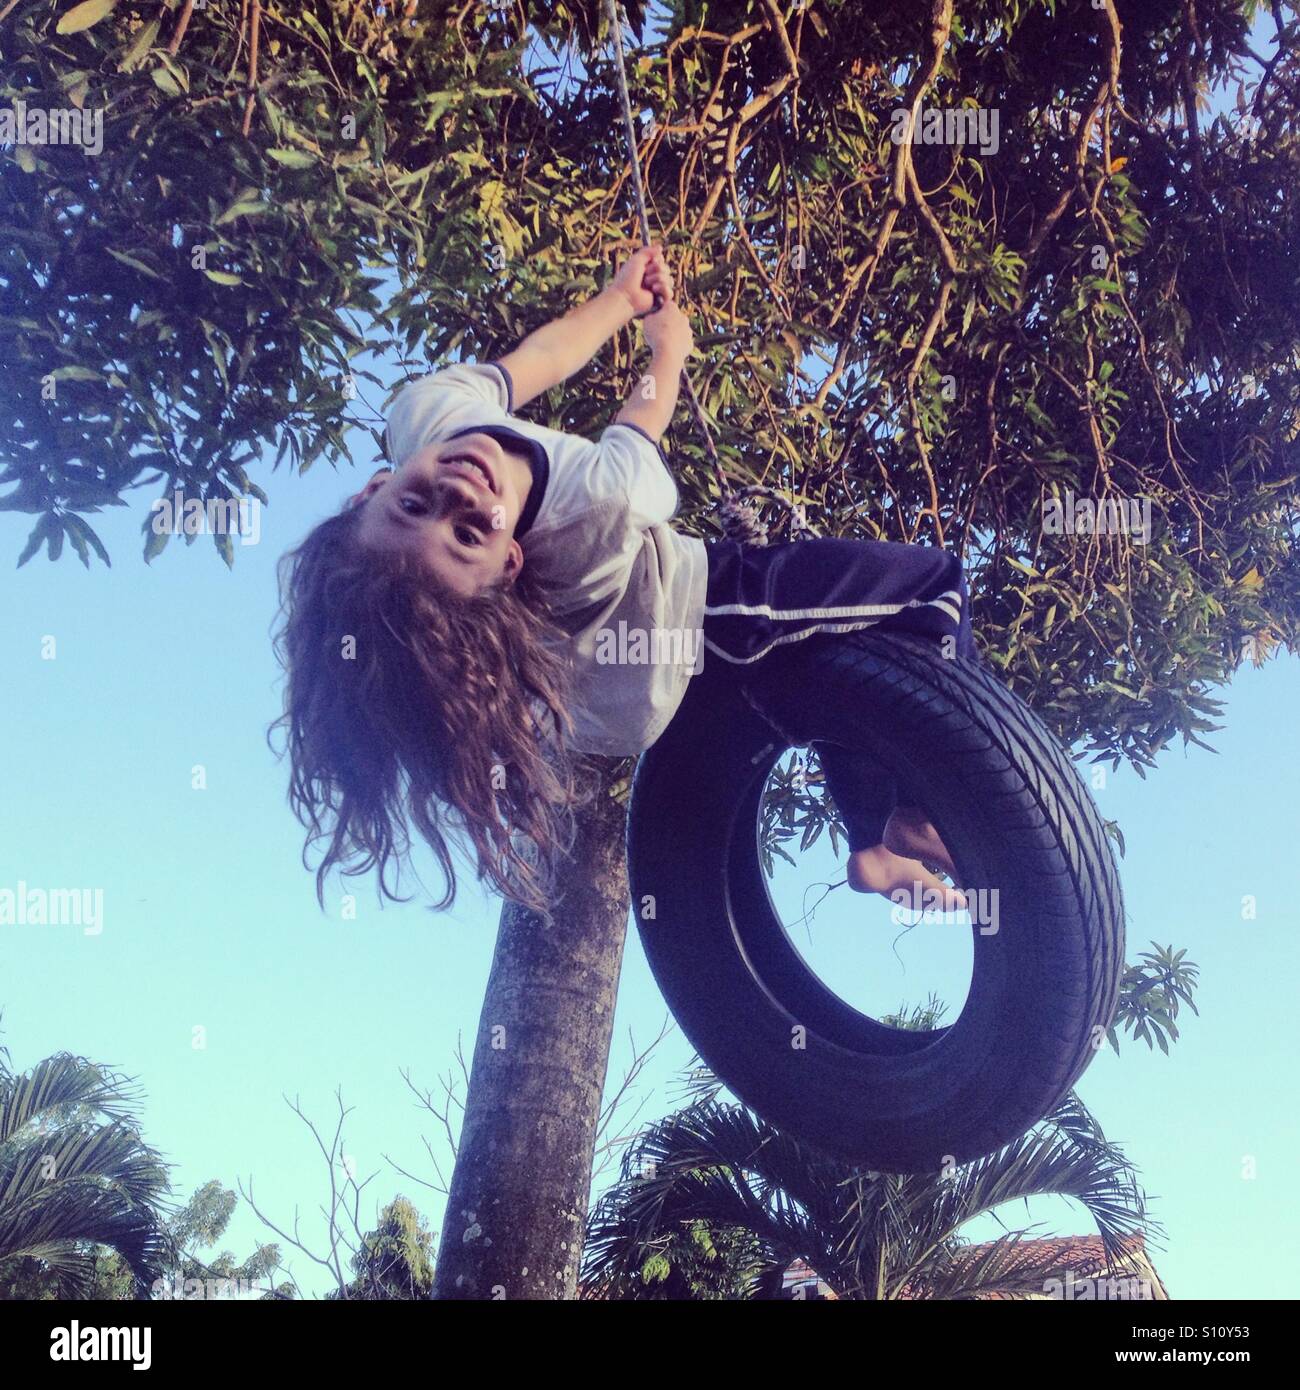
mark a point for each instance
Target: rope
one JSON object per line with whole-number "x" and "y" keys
{"x": 739, "y": 512}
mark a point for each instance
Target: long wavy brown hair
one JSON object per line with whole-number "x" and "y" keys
{"x": 409, "y": 705}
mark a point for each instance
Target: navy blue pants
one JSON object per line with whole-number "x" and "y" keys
{"x": 761, "y": 598}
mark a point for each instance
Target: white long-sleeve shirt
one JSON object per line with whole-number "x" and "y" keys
{"x": 627, "y": 589}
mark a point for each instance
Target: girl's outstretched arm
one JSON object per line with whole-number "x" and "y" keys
{"x": 653, "y": 400}
{"x": 551, "y": 354}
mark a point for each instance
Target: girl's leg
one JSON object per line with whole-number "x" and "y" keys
{"x": 864, "y": 793}
{"x": 761, "y": 600}
{"x": 889, "y": 846}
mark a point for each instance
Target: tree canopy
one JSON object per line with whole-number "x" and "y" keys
{"x": 1072, "y": 283}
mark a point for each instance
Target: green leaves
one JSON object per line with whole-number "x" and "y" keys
{"x": 123, "y": 357}
{"x": 218, "y": 351}
{"x": 1151, "y": 993}
{"x": 83, "y": 16}
{"x": 458, "y": 149}
{"x": 293, "y": 159}
{"x": 77, "y": 1175}
{"x": 75, "y": 372}
{"x": 155, "y": 541}
{"x": 243, "y": 207}
{"x": 48, "y": 529}
{"x": 715, "y": 1203}
{"x": 51, "y": 529}
{"x": 142, "y": 43}
{"x": 314, "y": 24}
{"x": 136, "y": 264}
{"x": 81, "y": 536}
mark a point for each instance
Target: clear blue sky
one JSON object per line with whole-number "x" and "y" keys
{"x": 211, "y": 922}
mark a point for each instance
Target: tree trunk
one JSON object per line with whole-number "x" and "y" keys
{"x": 514, "y": 1221}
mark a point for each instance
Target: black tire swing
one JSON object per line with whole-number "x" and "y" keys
{"x": 1016, "y": 818}
{"x": 1012, "y": 811}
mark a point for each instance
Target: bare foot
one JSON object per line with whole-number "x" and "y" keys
{"x": 910, "y": 835}
{"x": 880, "y": 870}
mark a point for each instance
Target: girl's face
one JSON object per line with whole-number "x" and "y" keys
{"x": 455, "y": 504}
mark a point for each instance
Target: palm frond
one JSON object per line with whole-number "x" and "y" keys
{"x": 58, "y": 1085}
{"x": 869, "y": 1235}
{"x": 698, "y": 1084}
{"x": 75, "y": 1174}
{"x": 1067, "y": 1155}
{"x": 1014, "y": 1264}
{"x": 708, "y": 1163}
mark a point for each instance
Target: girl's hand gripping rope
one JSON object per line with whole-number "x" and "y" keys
{"x": 645, "y": 281}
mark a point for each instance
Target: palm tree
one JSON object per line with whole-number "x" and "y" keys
{"x": 867, "y": 1235}
{"x": 75, "y": 1176}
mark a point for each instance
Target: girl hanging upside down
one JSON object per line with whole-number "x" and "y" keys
{"x": 510, "y": 595}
